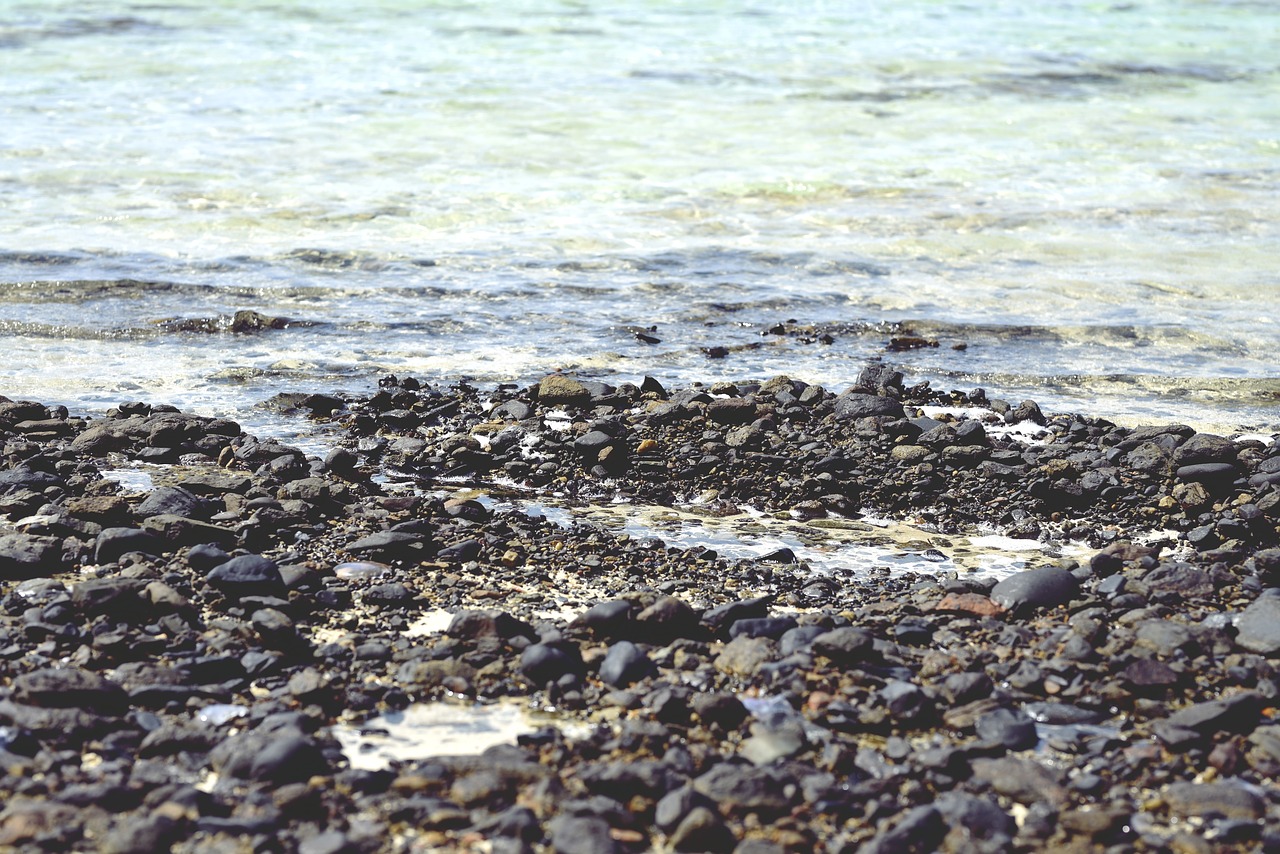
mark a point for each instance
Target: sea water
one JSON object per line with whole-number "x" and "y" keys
{"x": 1075, "y": 201}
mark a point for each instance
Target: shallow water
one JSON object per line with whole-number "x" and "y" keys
{"x": 1083, "y": 196}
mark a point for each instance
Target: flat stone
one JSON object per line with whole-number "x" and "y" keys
{"x": 557, "y": 390}
{"x": 854, "y": 405}
{"x": 1232, "y": 799}
{"x": 68, "y": 687}
{"x": 1258, "y": 626}
{"x": 30, "y": 556}
{"x": 1045, "y": 587}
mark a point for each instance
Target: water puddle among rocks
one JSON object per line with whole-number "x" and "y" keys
{"x": 829, "y": 546}
{"x": 425, "y": 730}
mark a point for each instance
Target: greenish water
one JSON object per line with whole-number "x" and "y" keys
{"x": 1083, "y": 195}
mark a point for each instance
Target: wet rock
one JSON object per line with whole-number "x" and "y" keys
{"x": 1046, "y": 587}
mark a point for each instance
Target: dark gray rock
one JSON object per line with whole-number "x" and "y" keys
{"x": 853, "y": 405}
{"x": 573, "y": 834}
{"x": 30, "y": 556}
{"x": 544, "y": 662}
{"x": 624, "y": 664}
{"x": 1205, "y": 448}
{"x": 389, "y": 545}
{"x": 1014, "y": 730}
{"x": 762, "y": 627}
{"x": 743, "y": 789}
{"x": 1258, "y": 626}
{"x": 174, "y": 501}
{"x": 69, "y": 688}
{"x": 113, "y": 543}
{"x": 1207, "y": 472}
{"x": 1232, "y": 799}
{"x": 846, "y": 646}
{"x": 1045, "y": 587}
{"x": 247, "y": 575}
{"x": 473, "y": 625}
{"x": 919, "y": 831}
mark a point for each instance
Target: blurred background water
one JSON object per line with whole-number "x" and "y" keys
{"x": 1075, "y": 201}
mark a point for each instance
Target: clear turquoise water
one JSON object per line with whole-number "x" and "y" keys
{"x": 1087, "y": 195}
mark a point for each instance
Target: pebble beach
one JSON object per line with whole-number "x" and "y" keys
{"x": 215, "y": 642}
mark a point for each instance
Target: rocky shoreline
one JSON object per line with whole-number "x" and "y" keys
{"x": 182, "y": 663}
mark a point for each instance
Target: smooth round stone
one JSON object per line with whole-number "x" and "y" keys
{"x": 356, "y": 569}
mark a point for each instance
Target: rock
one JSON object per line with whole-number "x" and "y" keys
{"x": 389, "y": 545}
{"x": 854, "y": 405}
{"x": 182, "y": 531}
{"x": 1205, "y": 448}
{"x": 733, "y": 411}
{"x": 969, "y": 603}
{"x": 920, "y": 830}
{"x": 571, "y": 834}
{"x": 743, "y": 789}
{"x": 762, "y": 627}
{"x": 1258, "y": 626}
{"x": 118, "y": 598}
{"x": 666, "y": 620}
{"x": 69, "y": 688}
{"x": 30, "y": 556}
{"x": 1232, "y": 799}
{"x": 1024, "y": 780}
{"x": 846, "y": 647}
{"x": 1207, "y": 473}
{"x": 743, "y": 656}
{"x": 624, "y": 664}
{"x": 1014, "y": 730}
{"x": 544, "y": 662}
{"x": 557, "y": 390}
{"x": 720, "y": 618}
{"x": 1046, "y": 587}
{"x": 473, "y": 625}
{"x": 114, "y": 543}
{"x": 978, "y": 818}
{"x": 25, "y": 477}
{"x": 702, "y": 830}
{"x": 173, "y": 501}
{"x": 720, "y": 709}
{"x": 775, "y": 740}
{"x": 247, "y": 575}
